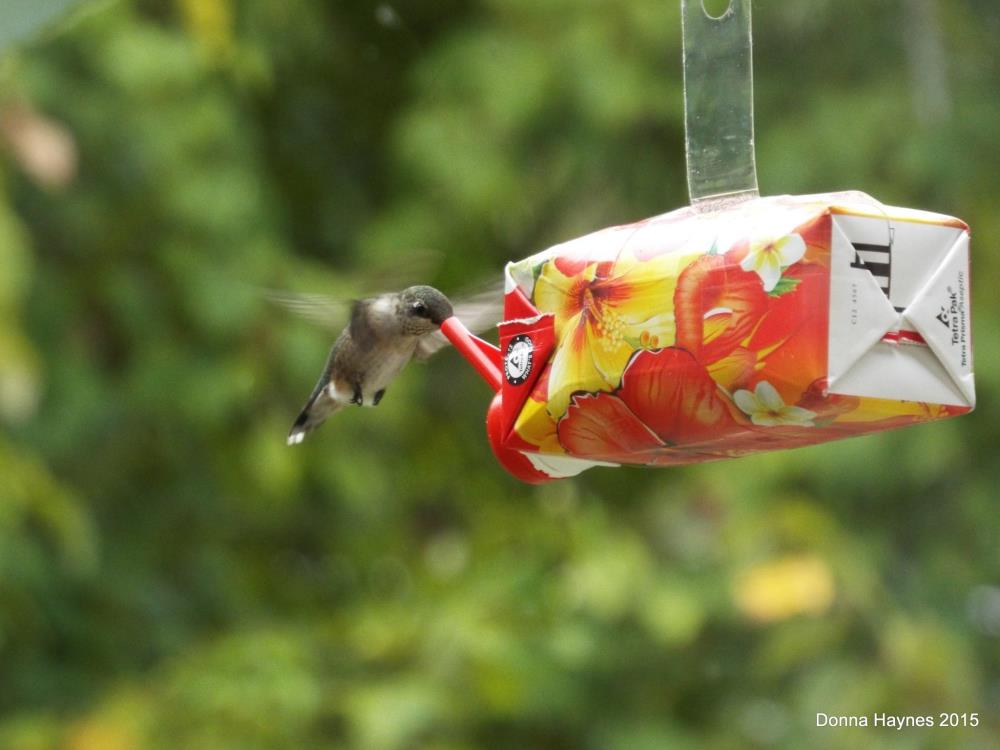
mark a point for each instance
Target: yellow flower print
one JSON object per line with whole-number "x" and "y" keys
{"x": 538, "y": 429}
{"x": 604, "y": 311}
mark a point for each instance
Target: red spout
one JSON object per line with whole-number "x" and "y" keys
{"x": 482, "y": 355}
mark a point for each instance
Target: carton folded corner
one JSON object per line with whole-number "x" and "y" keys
{"x": 900, "y": 308}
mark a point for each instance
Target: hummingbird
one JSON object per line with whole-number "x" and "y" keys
{"x": 384, "y": 333}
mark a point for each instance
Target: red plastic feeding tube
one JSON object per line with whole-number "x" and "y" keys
{"x": 482, "y": 355}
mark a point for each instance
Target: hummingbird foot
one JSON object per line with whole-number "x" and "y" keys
{"x": 378, "y": 397}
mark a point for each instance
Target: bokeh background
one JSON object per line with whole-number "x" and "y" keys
{"x": 173, "y": 576}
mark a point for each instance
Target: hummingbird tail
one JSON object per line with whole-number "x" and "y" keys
{"x": 300, "y": 429}
{"x": 313, "y": 415}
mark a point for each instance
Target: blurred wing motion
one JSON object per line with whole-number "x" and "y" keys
{"x": 384, "y": 273}
{"x": 478, "y": 312}
{"x": 316, "y": 308}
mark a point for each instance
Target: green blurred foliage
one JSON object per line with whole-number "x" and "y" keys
{"x": 172, "y": 576}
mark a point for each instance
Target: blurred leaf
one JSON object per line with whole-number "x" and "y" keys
{"x": 783, "y": 588}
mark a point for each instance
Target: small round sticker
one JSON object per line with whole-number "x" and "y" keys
{"x": 517, "y": 359}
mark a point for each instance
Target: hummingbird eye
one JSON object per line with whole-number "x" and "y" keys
{"x": 420, "y": 309}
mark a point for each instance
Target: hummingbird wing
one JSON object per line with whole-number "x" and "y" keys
{"x": 316, "y": 308}
{"x": 478, "y": 312}
{"x": 375, "y": 318}
{"x": 384, "y": 273}
{"x": 362, "y": 332}
{"x": 362, "y": 316}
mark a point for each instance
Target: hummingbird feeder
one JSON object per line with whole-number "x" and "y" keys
{"x": 734, "y": 325}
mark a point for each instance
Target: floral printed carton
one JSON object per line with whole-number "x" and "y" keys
{"x": 693, "y": 336}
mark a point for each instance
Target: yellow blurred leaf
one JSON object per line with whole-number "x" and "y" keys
{"x": 780, "y": 589}
{"x": 101, "y": 733}
{"x": 210, "y": 22}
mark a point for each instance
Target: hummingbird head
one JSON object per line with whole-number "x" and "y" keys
{"x": 425, "y": 307}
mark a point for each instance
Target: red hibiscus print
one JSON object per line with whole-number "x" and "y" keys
{"x": 716, "y": 306}
{"x": 675, "y": 396}
{"x": 602, "y": 426}
{"x": 666, "y": 398}
{"x": 791, "y": 339}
